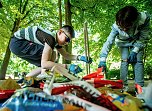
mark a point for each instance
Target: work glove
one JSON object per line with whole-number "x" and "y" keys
{"x": 74, "y": 69}
{"x": 84, "y": 58}
{"x": 102, "y": 64}
{"x": 132, "y": 58}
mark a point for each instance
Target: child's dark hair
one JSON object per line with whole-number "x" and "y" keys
{"x": 69, "y": 30}
{"x": 126, "y": 16}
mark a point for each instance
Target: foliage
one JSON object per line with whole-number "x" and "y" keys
{"x": 113, "y": 74}
{"x": 25, "y": 13}
{"x": 29, "y": 12}
{"x": 148, "y": 70}
{"x": 19, "y": 65}
{"x": 100, "y": 15}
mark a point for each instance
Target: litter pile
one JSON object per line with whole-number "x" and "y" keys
{"x": 61, "y": 91}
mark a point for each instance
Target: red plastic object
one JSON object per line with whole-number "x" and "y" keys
{"x": 97, "y": 74}
{"x": 62, "y": 89}
{"x": 5, "y": 94}
{"x": 114, "y": 83}
{"x": 41, "y": 85}
{"x": 138, "y": 88}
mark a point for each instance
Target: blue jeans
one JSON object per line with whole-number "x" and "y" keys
{"x": 27, "y": 50}
{"x": 138, "y": 68}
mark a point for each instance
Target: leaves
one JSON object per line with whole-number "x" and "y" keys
{"x": 99, "y": 14}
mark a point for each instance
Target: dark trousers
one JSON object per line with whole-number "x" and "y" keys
{"x": 27, "y": 50}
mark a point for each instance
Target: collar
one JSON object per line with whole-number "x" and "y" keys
{"x": 56, "y": 42}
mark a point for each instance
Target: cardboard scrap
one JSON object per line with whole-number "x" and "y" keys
{"x": 9, "y": 84}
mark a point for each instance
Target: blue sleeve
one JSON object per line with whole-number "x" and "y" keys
{"x": 144, "y": 34}
{"x": 109, "y": 42}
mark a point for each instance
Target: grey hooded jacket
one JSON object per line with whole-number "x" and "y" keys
{"x": 136, "y": 36}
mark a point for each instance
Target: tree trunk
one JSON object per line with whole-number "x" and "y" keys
{"x": 60, "y": 14}
{"x": 68, "y": 22}
{"x": 5, "y": 63}
{"x": 60, "y": 25}
{"x": 8, "y": 52}
{"x": 1, "y": 5}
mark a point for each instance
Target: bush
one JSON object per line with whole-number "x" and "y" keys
{"x": 148, "y": 70}
{"x": 115, "y": 74}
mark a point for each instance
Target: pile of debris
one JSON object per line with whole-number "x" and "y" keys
{"x": 61, "y": 91}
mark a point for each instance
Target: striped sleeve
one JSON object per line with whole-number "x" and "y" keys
{"x": 29, "y": 34}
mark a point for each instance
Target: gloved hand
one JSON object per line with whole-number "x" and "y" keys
{"x": 84, "y": 58}
{"x": 102, "y": 64}
{"x": 74, "y": 69}
{"x": 132, "y": 57}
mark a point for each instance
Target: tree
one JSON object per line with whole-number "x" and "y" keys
{"x": 99, "y": 14}
{"x": 24, "y": 13}
{"x": 1, "y": 5}
{"x": 68, "y": 22}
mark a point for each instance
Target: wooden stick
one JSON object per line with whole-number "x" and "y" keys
{"x": 65, "y": 72}
{"x": 86, "y": 47}
{"x": 49, "y": 82}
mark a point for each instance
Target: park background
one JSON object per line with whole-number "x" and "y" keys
{"x": 52, "y": 14}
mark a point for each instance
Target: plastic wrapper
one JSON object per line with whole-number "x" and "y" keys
{"x": 5, "y": 94}
{"x": 86, "y": 92}
{"x": 29, "y": 101}
{"x": 72, "y": 96}
{"x": 83, "y": 84}
{"x": 71, "y": 99}
{"x": 123, "y": 101}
